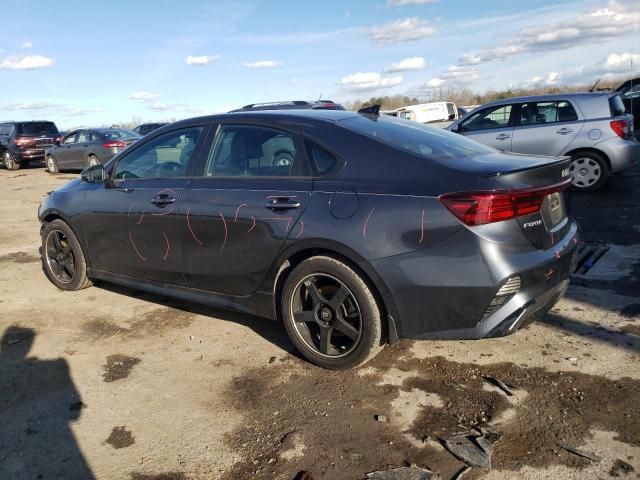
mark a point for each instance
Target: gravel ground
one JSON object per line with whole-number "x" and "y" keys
{"x": 116, "y": 384}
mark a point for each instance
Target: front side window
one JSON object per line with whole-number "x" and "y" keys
{"x": 536, "y": 113}
{"x": 84, "y": 137}
{"x": 251, "y": 151}
{"x": 488, "y": 118}
{"x": 165, "y": 156}
{"x": 70, "y": 139}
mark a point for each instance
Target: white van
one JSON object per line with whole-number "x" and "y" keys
{"x": 429, "y": 112}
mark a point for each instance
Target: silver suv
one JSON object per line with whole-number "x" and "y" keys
{"x": 592, "y": 128}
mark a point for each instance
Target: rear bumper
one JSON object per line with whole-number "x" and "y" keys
{"x": 32, "y": 154}
{"x": 623, "y": 154}
{"x": 446, "y": 294}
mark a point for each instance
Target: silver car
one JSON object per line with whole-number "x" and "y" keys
{"x": 592, "y": 128}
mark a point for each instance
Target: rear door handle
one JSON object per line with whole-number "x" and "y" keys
{"x": 282, "y": 203}
{"x": 564, "y": 131}
{"x": 503, "y": 136}
{"x": 162, "y": 200}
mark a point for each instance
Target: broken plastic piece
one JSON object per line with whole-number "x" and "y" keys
{"x": 581, "y": 453}
{"x": 508, "y": 389}
{"x": 403, "y": 473}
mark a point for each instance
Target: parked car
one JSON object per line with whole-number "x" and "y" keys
{"x": 630, "y": 93}
{"x": 430, "y": 112}
{"x": 592, "y": 128}
{"x": 291, "y": 105}
{"x": 25, "y": 142}
{"x": 91, "y": 146}
{"x": 145, "y": 128}
{"x": 450, "y": 239}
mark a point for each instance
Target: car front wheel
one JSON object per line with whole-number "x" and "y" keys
{"x": 63, "y": 260}
{"x": 331, "y": 314}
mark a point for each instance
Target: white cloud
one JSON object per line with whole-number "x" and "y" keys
{"x": 435, "y": 82}
{"x": 201, "y": 59}
{"x": 26, "y": 62}
{"x": 413, "y": 63}
{"x": 263, "y": 64}
{"x": 407, "y": 30}
{"x": 369, "y": 81}
{"x": 78, "y": 112}
{"x": 144, "y": 96}
{"x": 396, "y": 3}
{"x": 161, "y": 107}
{"x": 29, "y": 106}
{"x": 26, "y": 45}
{"x": 456, "y": 73}
{"x": 616, "y": 20}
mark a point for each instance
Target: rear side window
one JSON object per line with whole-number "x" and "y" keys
{"x": 119, "y": 134}
{"x": 535, "y": 113}
{"x": 617, "y": 106}
{"x": 251, "y": 151}
{"x": 36, "y": 128}
{"x": 488, "y": 118}
{"x": 416, "y": 138}
{"x": 323, "y": 161}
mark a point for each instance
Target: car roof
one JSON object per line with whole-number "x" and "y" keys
{"x": 274, "y": 115}
{"x": 577, "y": 96}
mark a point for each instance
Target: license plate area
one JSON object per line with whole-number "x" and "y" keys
{"x": 553, "y": 210}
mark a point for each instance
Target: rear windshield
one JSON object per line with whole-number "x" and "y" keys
{"x": 415, "y": 138}
{"x": 617, "y": 106}
{"x": 119, "y": 134}
{"x": 36, "y": 128}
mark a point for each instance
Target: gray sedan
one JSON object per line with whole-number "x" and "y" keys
{"x": 86, "y": 147}
{"x": 592, "y": 128}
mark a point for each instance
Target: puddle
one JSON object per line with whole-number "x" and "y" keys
{"x": 118, "y": 367}
{"x": 120, "y": 438}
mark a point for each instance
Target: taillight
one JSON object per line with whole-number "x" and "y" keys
{"x": 114, "y": 144}
{"x": 24, "y": 142}
{"x": 479, "y": 208}
{"x": 621, "y": 128}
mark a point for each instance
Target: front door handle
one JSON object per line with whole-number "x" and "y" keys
{"x": 503, "y": 136}
{"x": 282, "y": 203}
{"x": 163, "y": 200}
{"x": 564, "y": 131}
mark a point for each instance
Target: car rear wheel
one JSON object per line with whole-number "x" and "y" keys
{"x": 589, "y": 170}
{"x": 93, "y": 161}
{"x": 331, "y": 314}
{"x": 10, "y": 161}
{"x": 52, "y": 166}
{"x": 63, "y": 260}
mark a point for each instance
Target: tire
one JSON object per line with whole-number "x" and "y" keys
{"x": 52, "y": 165}
{"x": 590, "y": 171}
{"x": 10, "y": 161}
{"x": 64, "y": 272}
{"x": 92, "y": 160}
{"x": 351, "y": 324}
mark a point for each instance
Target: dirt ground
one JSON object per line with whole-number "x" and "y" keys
{"x": 111, "y": 383}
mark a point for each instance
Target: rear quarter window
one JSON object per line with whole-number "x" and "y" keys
{"x": 617, "y": 106}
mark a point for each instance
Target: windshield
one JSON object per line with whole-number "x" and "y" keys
{"x": 415, "y": 138}
{"x": 36, "y": 128}
{"x": 114, "y": 134}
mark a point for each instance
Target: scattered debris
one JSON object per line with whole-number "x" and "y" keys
{"x": 118, "y": 367}
{"x": 403, "y": 473}
{"x": 620, "y": 467}
{"x": 571, "y": 359}
{"x": 120, "y": 438}
{"x": 474, "y": 447}
{"x": 508, "y": 389}
{"x": 380, "y": 418}
{"x": 461, "y": 473}
{"x": 591, "y": 456}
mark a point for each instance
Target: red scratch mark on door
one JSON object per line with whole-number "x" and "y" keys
{"x": 166, "y": 253}
{"x": 549, "y": 274}
{"x": 421, "y": 228}
{"x": 301, "y": 229}
{"x": 133, "y": 244}
{"x": 226, "y": 232}
{"x": 163, "y": 213}
{"x": 557, "y": 254}
{"x": 235, "y": 220}
{"x": 191, "y": 229}
{"x": 254, "y": 223}
{"x": 276, "y": 219}
{"x": 366, "y": 222}
{"x": 129, "y": 213}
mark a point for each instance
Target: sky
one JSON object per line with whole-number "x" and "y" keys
{"x": 84, "y": 63}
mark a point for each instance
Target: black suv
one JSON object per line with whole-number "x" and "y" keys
{"x": 145, "y": 128}
{"x": 24, "y": 142}
{"x": 291, "y": 105}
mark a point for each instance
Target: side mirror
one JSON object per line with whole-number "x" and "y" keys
{"x": 58, "y": 141}
{"x": 455, "y": 129}
{"x": 94, "y": 174}
{"x": 452, "y": 116}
